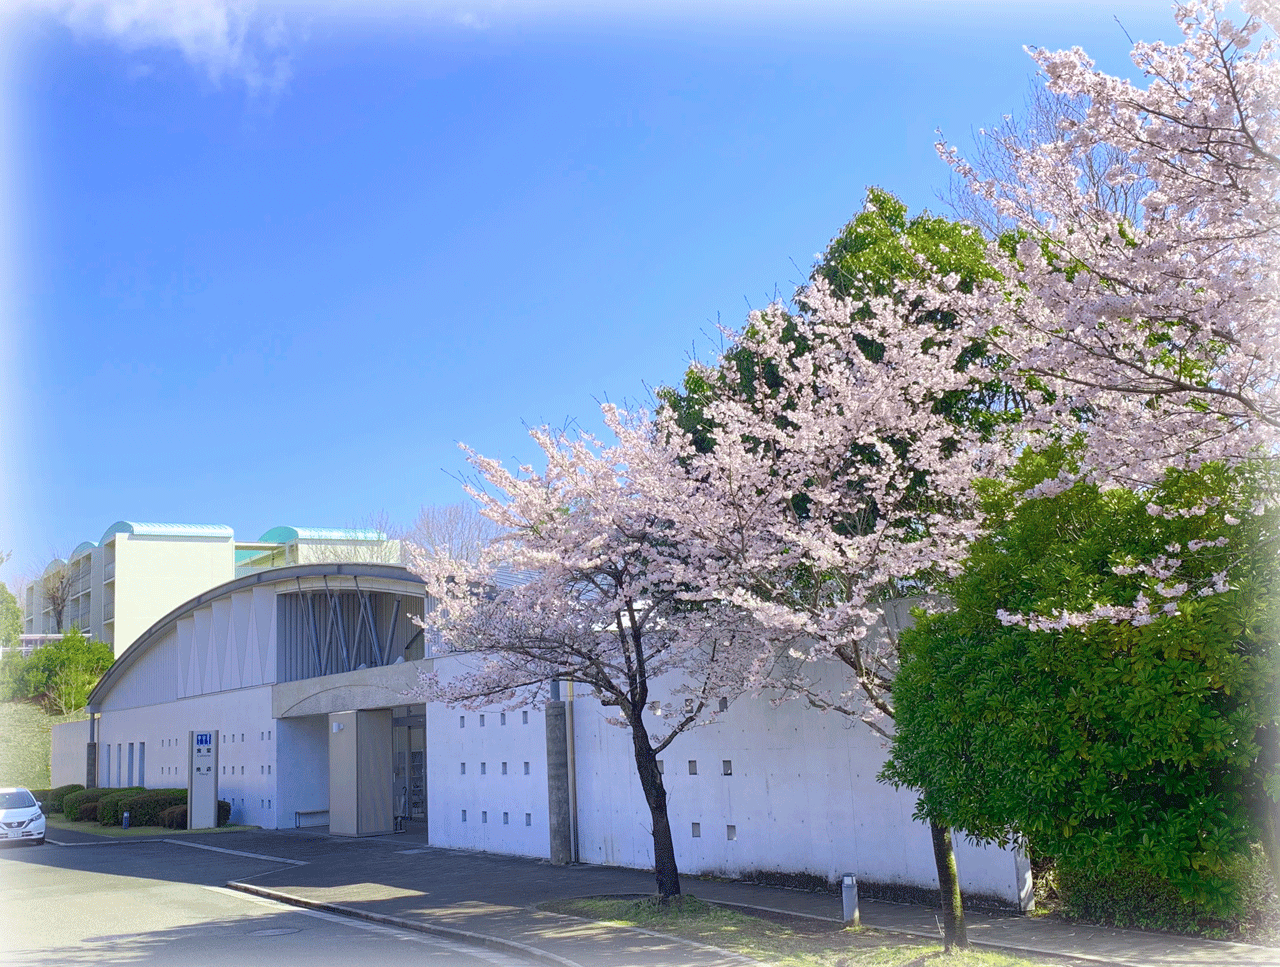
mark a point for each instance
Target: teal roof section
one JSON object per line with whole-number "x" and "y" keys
{"x": 83, "y": 547}
{"x": 141, "y": 529}
{"x": 282, "y": 535}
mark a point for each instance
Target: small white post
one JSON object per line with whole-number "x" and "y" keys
{"x": 849, "y": 894}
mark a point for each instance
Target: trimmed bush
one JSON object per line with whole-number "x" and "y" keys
{"x": 175, "y": 817}
{"x": 72, "y": 802}
{"x": 1135, "y": 899}
{"x": 42, "y": 795}
{"x": 88, "y": 812}
{"x": 111, "y": 806}
{"x": 224, "y": 812}
{"x": 53, "y": 802}
{"x": 146, "y": 807}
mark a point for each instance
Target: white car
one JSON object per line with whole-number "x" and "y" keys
{"x": 21, "y": 817}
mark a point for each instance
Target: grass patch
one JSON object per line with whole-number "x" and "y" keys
{"x": 25, "y": 742}
{"x": 117, "y": 832}
{"x": 781, "y": 939}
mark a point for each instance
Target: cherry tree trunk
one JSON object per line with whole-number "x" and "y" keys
{"x": 655, "y": 794}
{"x": 944, "y": 857}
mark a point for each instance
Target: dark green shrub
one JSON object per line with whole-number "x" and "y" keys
{"x": 175, "y": 817}
{"x": 42, "y": 796}
{"x": 224, "y": 812}
{"x": 111, "y": 807}
{"x": 87, "y": 812}
{"x": 1136, "y": 899}
{"x": 53, "y": 803}
{"x": 72, "y": 802}
{"x": 146, "y": 807}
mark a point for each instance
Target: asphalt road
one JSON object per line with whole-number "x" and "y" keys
{"x": 140, "y": 903}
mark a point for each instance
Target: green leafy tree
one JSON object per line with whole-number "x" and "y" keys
{"x": 10, "y": 618}
{"x": 1146, "y": 743}
{"x": 65, "y": 671}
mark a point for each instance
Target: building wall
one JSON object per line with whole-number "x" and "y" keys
{"x": 153, "y": 575}
{"x": 67, "y": 754}
{"x": 484, "y": 742}
{"x": 247, "y": 748}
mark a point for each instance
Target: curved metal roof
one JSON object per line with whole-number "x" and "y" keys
{"x": 281, "y": 575}
{"x": 166, "y": 530}
{"x": 282, "y": 535}
{"x": 81, "y": 548}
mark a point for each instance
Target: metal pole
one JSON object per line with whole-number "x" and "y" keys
{"x": 849, "y": 896}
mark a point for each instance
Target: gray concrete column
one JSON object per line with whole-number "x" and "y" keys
{"x": 90, "y": 766}
{"x": 558, "y": 784}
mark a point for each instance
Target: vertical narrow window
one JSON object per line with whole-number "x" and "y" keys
{"x": 693, "y": 767}
{"x": 504, "y": 768}
{"x": 482, "y": 720}
{"x": 726, "y": 767}
{"x": 524, "y": 718}
{"x": 526, "y": 768}
{"x": 528, "y": 819}
{"x": 463, "y": 770}
{"x": 502, "y": 718}
{"x": 483, "y": 767}
{"x": 661, "y": 768}
{"x": 464, "y": 815}
{"x": 506, "y": 819}
{"x": 731, "y": 832}
{"x": 724, "y": 705}
{"x": 484, "y": 815}
{"x": 462, "y": 721}
{"x": 697, "y": 830}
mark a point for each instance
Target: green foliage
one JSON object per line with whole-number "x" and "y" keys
{"x": 10, "y": 618}
{"x": 224, "y": 812}
{"x": 175, "y": 817}
{"x": 111, "y": 807}
{"x": 54, "y": 800}
{"x": 72, "y": 802}
{"x": 146, "y": 808}
{"x": 86, "y": 812}
{"x": 1123, "y": 748}
{"x": 62, "y": 673}
{"x": 878, "y": 254}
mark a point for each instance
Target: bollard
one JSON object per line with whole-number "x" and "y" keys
{"x": 124, "y": 820}
{"x": 849, "y": 894}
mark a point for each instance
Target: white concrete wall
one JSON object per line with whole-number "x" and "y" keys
{"x": 484, "y": 791}
{"x": 67, "y": 754}
{"x": 246, "y": 757}
{"x": 302, "y": 758}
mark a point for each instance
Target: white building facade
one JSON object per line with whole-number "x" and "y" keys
{"x": 304, "y": 672}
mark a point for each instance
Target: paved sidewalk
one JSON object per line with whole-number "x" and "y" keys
{"x": 492, "y": 898}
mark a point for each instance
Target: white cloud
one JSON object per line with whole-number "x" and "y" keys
{"x": 225, "y": 39}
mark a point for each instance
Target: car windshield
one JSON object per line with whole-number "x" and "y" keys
{"x": 16, "y": 799}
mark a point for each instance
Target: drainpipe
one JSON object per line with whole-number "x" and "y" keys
{"x": 558, "y": 809}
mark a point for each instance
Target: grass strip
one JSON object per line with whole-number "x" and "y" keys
{"x": 117, "y": 832}
{"x": 781, "y": 939}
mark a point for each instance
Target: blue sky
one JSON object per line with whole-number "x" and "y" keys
{"x": 269, "y": 264}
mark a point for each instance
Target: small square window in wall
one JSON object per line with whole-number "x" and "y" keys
{"x": 504, "y": 768}
{"x": 693, "y": 767}
{"x": 524, "y": 718}
{"x": 502, "y": 718}
{"x": 528, "y": 819}
{"x": 731, "y": 832}
{"x": 462, "y": 721}
{"x": 483, "y": 767}
{"x": 697, "y": 830}
{"x": 726, "y": 767}
{"x": 526, "y": 768}
{"x": 481, "y": 721}
{"x": 506, "y": 819}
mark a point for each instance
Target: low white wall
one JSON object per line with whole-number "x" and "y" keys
{"x": 67, "y": 755}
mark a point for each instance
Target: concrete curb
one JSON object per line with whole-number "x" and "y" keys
{"x": 446, "y": 933}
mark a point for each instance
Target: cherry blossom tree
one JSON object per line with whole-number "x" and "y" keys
{"x": 587, "y": 583}
{"x": 1156, "y": 328}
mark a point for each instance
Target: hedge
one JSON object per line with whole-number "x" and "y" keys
{"x": 111, "y": 806}
{"x": 88, "y": 812}
{"x": 54, "y": 798}
{"x": 72, "y": 802}
{"x": 175, "y": 817}
{"x": 146, "y": 807}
